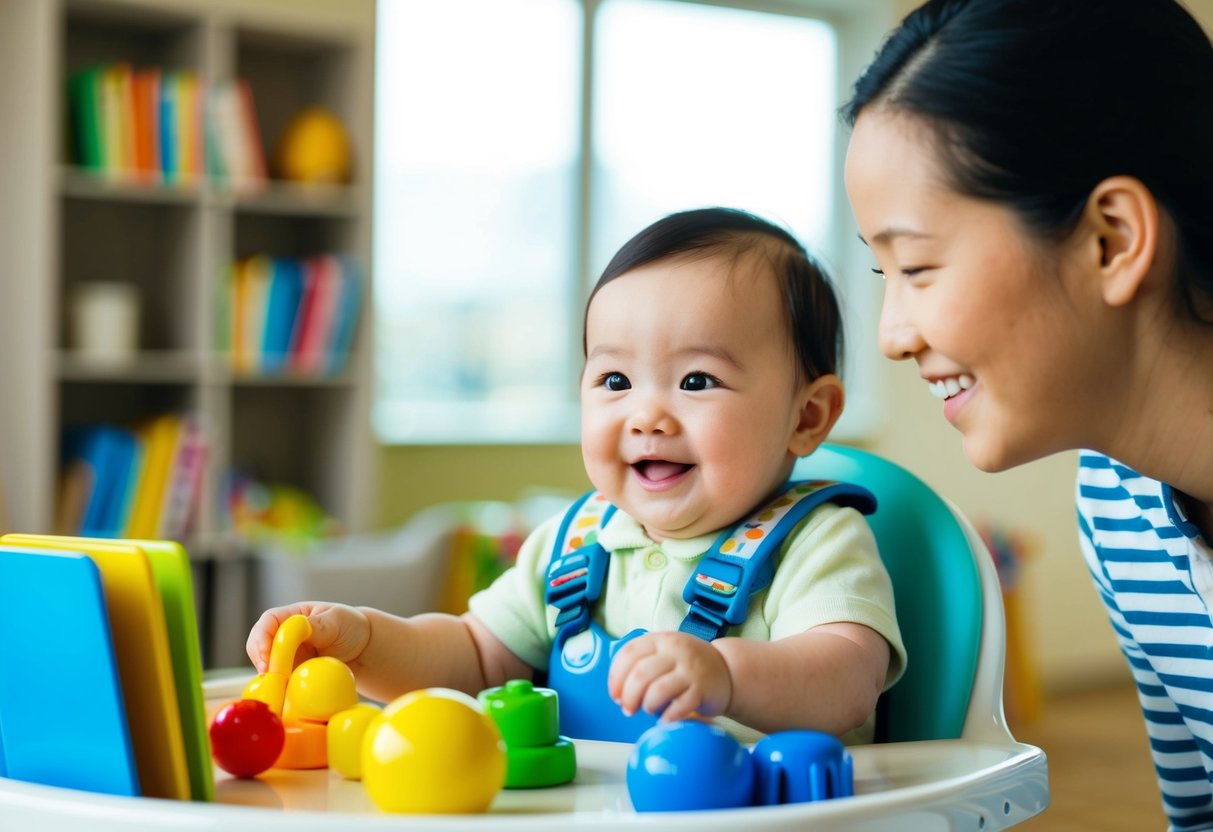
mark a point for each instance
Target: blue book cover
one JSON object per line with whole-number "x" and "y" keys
{"x": 170, "y": 149}
{"x": 95, "y": 446}
{"x": 62, "y": 711}
{"x": 282, "y": 305}
{"x": 124, "y": 458}
{"x": 347, "y": 316}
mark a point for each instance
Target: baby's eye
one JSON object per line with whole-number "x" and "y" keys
{"x": 616, "y": 382}
{"x": 699, "y": 381}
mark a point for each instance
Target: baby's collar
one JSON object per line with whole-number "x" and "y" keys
{"x": 622, "y": 532}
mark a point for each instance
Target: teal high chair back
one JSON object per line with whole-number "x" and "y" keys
{"x": 937, "y": 587}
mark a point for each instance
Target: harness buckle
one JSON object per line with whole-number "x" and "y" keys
{"x": 719, "y": 594}
{"x": 574, "y": 583}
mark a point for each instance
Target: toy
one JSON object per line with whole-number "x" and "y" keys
{"x": 302, "y": 701}
{"x": 689, "y": 765}
{"x": 246, "y": 737}
{"x": 693, "y": 765}
{"x": 270, "y": 687}
{"x": 433, "y": 751}
{"x": 319, "y": 688}
{"x": 801, "y": 767}
{"x": 344, "y": 734}
{"x": 528, "y": 718}
{"x": 314, "y": 148}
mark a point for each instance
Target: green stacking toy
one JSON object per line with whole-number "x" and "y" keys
{"x": 528, "y": 718}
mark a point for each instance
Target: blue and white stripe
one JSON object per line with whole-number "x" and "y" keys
{"x": 1142, "y": 552}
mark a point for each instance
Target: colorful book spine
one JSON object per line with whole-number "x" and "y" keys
{"x": 282, "y": 314}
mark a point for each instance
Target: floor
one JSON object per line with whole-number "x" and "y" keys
{"x": 1100, "y": 773}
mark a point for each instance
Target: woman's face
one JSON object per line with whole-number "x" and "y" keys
{"x": 1005, "y": 332}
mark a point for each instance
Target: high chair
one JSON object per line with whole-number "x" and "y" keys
{"x": 946, "y": 759}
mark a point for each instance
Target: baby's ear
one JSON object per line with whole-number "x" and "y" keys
{"x": 1121, "y": 221}
{"x": 821, "y": 403}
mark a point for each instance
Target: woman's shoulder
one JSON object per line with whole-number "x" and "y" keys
{"x": 1107, "y": 488}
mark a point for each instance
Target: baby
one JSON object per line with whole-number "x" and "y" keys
{"x": 711, "y": 345}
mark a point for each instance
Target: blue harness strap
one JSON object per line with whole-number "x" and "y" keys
{"x": 578, "y": 566}
{"x": 739, "y": 565}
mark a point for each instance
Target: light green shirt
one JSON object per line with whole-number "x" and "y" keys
{"x": 827, "y": 570}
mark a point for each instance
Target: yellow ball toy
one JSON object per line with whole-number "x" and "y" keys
{"x": 319, "y": 688}
{"x": 433, "y": 751}
{"x": 314, "y": 148}
{"x": 346, "y": 731}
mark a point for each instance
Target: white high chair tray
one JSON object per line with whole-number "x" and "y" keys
{"x": 938, "y": 785}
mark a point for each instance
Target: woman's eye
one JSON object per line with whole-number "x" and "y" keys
{"x": 878, "y": 271}
{"x": 616, "y": 381}
{"x": 699, "y": 381}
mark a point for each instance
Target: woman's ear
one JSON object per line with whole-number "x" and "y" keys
{"x": 1122, "y": 222}
{"x": 821, "y": 404}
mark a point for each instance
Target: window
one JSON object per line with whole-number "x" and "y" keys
{"x": 518, "y": 146}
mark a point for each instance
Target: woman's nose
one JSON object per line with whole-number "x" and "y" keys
{"x": 898, "y": 336}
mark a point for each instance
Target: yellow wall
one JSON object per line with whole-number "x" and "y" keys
{"x": 412, "y": 477}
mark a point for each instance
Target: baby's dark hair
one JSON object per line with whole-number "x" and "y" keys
{"x": 1032, "y": 103}
{"x": 813, "y": 319}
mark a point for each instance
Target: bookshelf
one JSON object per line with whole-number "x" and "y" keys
{"x": 174, "y": 239}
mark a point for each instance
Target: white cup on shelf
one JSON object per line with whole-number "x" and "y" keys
{"x": 105, "y": 321}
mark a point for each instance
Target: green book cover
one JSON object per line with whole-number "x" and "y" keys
{"x": 85, "y": 98}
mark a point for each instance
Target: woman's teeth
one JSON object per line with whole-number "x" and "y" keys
{"x": 945, "y": 388}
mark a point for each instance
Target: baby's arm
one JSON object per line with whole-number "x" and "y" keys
{"x": 390, "y": 655}
{"x": 827, "y": 678}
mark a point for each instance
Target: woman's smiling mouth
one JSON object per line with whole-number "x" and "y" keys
{"x": 946, "y": 388}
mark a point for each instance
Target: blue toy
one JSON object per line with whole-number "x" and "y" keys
{"x": 687, "y": 766}
{"x": 692, "y": 766}
{"x": 737, "y": 567}
{"x": 801, "y": 767}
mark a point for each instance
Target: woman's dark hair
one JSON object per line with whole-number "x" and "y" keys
{"x": 813, "y": 316}
{"x": 1034, "y": 102}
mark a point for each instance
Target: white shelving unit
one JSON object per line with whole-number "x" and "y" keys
{"x": 61, "y": 226}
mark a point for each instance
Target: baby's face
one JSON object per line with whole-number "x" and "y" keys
{"x": 690, "y": 395}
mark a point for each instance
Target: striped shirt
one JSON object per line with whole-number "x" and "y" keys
{"x": 1155, "y": 575}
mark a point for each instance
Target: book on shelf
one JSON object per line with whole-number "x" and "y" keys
{"x": 236, "y": 154}
{"x": 151, "y": 124}
{"x": 283, "y": 314}
{"x": 140, "y": 481}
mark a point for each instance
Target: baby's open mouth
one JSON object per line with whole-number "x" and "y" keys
{"x": 656, "y": 470}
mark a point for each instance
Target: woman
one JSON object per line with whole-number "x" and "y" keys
{"x": 1035, "y": 181}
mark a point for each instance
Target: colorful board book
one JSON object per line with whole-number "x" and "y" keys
{"x": 171, "y": 575}
{"x": 137, "y": 623}
{"x": 62, "y": 714}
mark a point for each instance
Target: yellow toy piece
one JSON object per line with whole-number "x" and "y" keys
{"x": 346, "y": 730}
{"x": 319, "y": 688}
{"x": 305, "y": 697}
{"x": 270, "y": 687}
{"x": 314, "y": 148}
{"x": 433, "y": 751}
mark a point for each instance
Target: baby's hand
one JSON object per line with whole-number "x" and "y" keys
{"x": 673, "y": 674}
{"x": 337, "y": 630}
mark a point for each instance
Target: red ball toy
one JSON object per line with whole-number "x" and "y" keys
{"x": 246, "y": 737}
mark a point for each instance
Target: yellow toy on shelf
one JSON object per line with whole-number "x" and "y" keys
{"x": 314, "y": 149}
